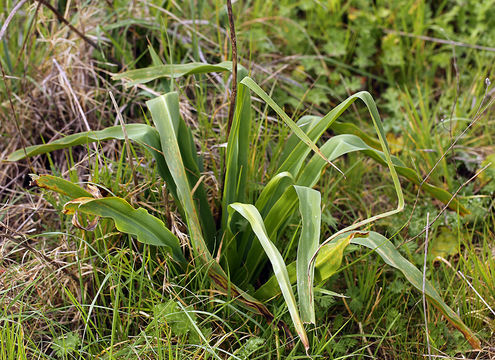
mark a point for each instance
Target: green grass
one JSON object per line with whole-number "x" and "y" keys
{"x": 129, "y": 300}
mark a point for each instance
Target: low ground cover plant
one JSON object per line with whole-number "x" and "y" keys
{"x": 244, "y": 236}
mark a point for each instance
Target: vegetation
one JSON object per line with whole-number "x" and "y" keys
{"x": 232, "y": 210}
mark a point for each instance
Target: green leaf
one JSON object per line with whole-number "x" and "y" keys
{"x": 327, "y": 263}
{"x": 310, "y": 209}
{"x": 278, "y": 215}
{"x": 251, "y": 214}
{"x": 137, "y": 132}
{"x": 138, "y": 222}
{"x": 165, "y": 112}
{"x": 273, "y": 190}
{"x": 246, "y": 251}
{"x": 383, "y": 247}
{"x": 144, "y": 135}
{"x": 60, "y": 186}
{"x": 292, "y": 125}
{"x": 410, "y": 174}
{"x": 191, "y": 164}
{"x": 236, "y": 156}
{"x": 142, "y": 76}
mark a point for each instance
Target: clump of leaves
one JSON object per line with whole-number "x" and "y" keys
{"x": 250, "y": 234}
{"x": 182, "y": 322}
{"x": 65, "y": 345}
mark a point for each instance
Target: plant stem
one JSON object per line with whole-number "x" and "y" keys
{"x": 233, "y": 42}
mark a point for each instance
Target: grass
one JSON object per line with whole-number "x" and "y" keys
{"x": 128, "y": 300}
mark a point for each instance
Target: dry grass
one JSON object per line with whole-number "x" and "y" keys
{"x": 36, "y": 273}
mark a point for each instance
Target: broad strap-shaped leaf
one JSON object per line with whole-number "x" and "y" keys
{"x": 144, "y": 135}
{"x": 60, "y": 186}
{"x": 147, "y": 228}
{"x": 310, "y": 209}
{"x": 164, "y": 110}
{"x": 191, "y": 163}
{"x": 288, "y": 121}
{"x": 165, "y": 114}
{"x": 273, "y": 190}
{"x": 314, "y": 126}
{"x": 341, "y": 128}
{"x": 276, "y": 218}
{"x": 383, "y": 247}
{"x": 141, "y": 133}
{"x": 327, "y": 263}
{"x": 246, "y": 251}
{"x": 237, "y": 153}
{"x": 251, "y": 214}
{"x": 142, "y": 76}
{"x": 345, "y": 144}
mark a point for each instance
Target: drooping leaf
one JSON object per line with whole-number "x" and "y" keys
{"x": 310, "y": 209}
{"x": 138, "y": 222}
{"x": 345, "y": 144}
{"x": 383, "y": 247}
{"x": 314, "y": 127}
{"x": 144, "y": 135}
{"x": 291, "y": 124}
{"x": 138, "y": 132}
{"x": 249, "y": 251}
{"x": 251, "y": 214}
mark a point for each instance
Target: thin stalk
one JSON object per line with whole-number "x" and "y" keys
{"x": 127, "y": 143}
{"x": 233, "y": 42}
